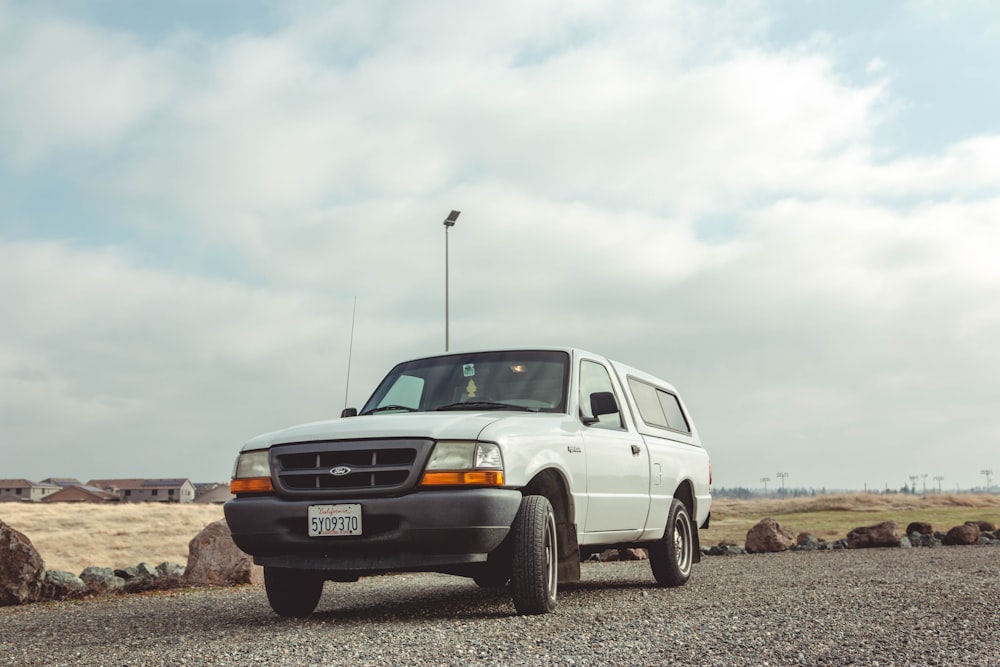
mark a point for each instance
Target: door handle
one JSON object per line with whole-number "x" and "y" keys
{"x": 635, "y": 450}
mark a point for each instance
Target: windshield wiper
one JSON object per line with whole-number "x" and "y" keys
{"x": 385, "y": 408}
{"x": 485, "y": 405}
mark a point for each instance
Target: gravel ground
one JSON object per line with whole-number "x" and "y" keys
{"x": 871, "y": 607}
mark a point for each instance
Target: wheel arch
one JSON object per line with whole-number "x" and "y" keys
{"x": 685, "y": 494}
{"x": 551, "y": 483}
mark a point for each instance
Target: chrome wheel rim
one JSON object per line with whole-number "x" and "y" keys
{"x": 682, "y": 542}
{"x": 551, "y": 558}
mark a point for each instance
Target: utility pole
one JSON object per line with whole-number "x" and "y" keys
{"x": 924, "y": 475}
{"x": 939, "y": 479}
{"x": 988, "y": 473}
{"x": 782, "y": 476}
{"x": 765, "y": 480}
{"x": 449, "y": 222}
{"x": 913, "y": 484}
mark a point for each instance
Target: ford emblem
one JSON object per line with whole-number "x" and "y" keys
{"x": 340, "y": 470}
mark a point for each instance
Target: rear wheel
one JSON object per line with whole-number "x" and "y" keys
{"x": 292, "y": 592}
{"x": 534, "y": 573}
{"x": 671, "y": 556}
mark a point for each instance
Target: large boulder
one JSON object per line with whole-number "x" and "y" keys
{"x": 966, "y": 534}
{"x": 215, "y": 560}
{"x": 885, "y": 534}
{"x": 21, "y": 568}
{"x": 768, "y": 536}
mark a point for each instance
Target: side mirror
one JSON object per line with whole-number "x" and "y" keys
{"x": 349, "y": 412}
{"x": 603, "y": 403}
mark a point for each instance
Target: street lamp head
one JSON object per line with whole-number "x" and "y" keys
{"x": 452, "y": 217}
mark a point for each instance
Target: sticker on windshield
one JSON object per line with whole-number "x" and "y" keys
{"x": 468, "y": 370}
{"x": 470, "y": 389}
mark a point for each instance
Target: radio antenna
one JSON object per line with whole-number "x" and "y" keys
{"x": 350, "y": 351}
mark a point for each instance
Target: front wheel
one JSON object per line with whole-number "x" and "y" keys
{"x": 534, "y": 572}
{"x": 292, "y": 592}
{"x": 671, "y": 556}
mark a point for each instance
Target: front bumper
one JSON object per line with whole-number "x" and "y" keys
{"x": 424, "y": 530}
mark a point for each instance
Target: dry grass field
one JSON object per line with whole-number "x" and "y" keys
{"x": 72, "y": 536}
{"x": 832, "y": 517}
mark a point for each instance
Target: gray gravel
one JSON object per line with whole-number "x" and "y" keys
{"x": 873, "y": 607}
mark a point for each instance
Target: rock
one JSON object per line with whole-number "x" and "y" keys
{"x": 807, "y": 541}
{"x": 61, "y": 585}
{"x": 904, "y": 542}
{"x": 962, "y": 535}
{"x": 215, "y": 560}
{"x": 166, "y": 569}
{"x": 101, "y": 580}
{"x": 885, "y": 534}
{"x": 920, "y": 528}
{"x": 142, "y": 570}
{"x": 609, "y": 555}
{"x": 768, "y": 536}
{"x": 21, "y": 568}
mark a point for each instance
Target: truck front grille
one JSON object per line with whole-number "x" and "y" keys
{"x": 334, "y": 468}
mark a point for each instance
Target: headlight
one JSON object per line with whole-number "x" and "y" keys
{"x": 464, "y": 463}
{"x": 252, "y": 473}
{"x": 449, "y": 455}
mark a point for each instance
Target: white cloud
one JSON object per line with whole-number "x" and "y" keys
{"x": 74, "y": 86}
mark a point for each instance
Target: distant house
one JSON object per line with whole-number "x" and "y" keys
{"x": 148, "y": 490}
{"x": 212, "y": 493}
{"x": 81, "y": 494}
{"x": 62, "y": 481}
{"x": 23, "y": 489}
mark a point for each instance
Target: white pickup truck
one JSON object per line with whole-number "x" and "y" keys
{"x": 507, "y": 466}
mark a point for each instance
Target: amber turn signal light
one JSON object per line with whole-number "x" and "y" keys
{"x": 463, "y": 478}
{"x": 251, "y": 485}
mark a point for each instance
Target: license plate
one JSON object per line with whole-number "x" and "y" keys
{"x": 334, "y": 520}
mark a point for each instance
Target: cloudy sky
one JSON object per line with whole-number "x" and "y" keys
{"x": 789, "y": 209}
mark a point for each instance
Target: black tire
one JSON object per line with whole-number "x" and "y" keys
{"x": 671, "y": 556}
{"x": 534, "y": 572}
{"x": 292, "y": 592}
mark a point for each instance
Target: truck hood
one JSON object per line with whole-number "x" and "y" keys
{"x": 451, "y": 425}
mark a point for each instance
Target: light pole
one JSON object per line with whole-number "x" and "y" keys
{"x": 765, "y": 480}
{"x": 782, "y": 476}
{"x": 939, "y": 479}
{"x": 449, "y": 222}
{"x": 988, "y": 473}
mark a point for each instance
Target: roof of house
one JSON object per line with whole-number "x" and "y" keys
{"x": 79, "y": 492}
{"x": 138, "y": 483}
{"x": 15, "y": 483}
{"x": 62, "y": 481}
{"x": 24, "y": 484}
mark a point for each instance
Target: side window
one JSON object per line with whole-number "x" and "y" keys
{"x": 658, "y": 407}
{"x": 406, "y": 391}
{"x": 672, "y": 409}
{"x": 594, "y": 378}
{"x": 648, "y": 403}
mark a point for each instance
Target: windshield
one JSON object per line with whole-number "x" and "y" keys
{"x": 530, "y": 380}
